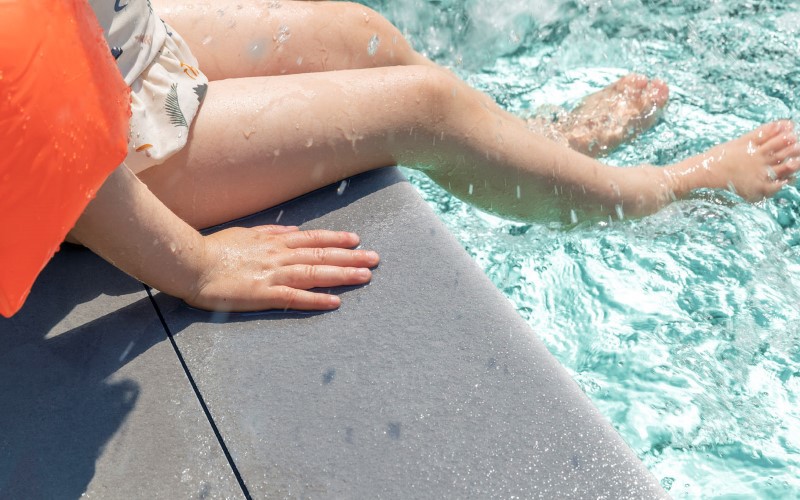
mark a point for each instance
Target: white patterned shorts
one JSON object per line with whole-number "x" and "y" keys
{"x": 164, "y": 101}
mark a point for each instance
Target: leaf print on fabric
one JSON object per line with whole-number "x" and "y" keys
{"x": 173, "y": 108}
{"x": 201, "y": 90}
{"x": 166, "y": 27}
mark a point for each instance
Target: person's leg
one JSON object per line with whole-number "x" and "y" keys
{"x": 244, "y": 38}
{"x": 261, "y": 141}
{"x": 605, "y": 119}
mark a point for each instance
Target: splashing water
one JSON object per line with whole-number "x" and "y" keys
{"x": 682, "y": 327}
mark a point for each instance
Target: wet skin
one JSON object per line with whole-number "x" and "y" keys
{"x": 320, "y": 106}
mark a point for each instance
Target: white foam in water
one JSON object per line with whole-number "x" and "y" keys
{"x": 482, "y": 29}
{"x": 682, "y": 327}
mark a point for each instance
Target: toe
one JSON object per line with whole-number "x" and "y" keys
{"x": 659, "y": 93}
{"x": 779, "y": 145}
{"x": 632, "y": 82}
{"x": 792, "y": 150}
{"x": 787, "y": 168}
{"x": 764, "y": 133}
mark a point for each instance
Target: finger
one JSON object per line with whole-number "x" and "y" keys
{"x": 275, "y": 229}
{"x": 303, "y": 276}
{"x": 284, "y": 297}
{"x": 321, "y": 238}
{"x": 341, "y": 257}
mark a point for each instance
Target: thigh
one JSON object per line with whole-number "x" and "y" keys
{"x": 242, "y": 38}
{"x": 260, "y": 141}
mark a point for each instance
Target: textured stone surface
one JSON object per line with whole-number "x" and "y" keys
{"x": 94, "y": 399}
{"x": 426, "y": 383}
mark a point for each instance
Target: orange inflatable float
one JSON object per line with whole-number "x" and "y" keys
{"x": 64, "y": 112}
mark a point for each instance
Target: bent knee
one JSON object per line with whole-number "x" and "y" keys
{"x": 435, "y": 90}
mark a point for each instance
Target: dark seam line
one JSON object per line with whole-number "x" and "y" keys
{"x": 199, "y": 396}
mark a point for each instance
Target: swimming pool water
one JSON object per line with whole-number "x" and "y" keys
{"x": 683, "y": 327}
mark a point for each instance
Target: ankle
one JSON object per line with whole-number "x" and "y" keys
{"x": 684, "y": 177}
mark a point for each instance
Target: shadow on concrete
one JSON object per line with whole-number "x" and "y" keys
{"x": 57, "y": 355}
{"x": 62, "y": 398}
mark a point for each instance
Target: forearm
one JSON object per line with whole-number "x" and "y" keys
{"x": 128, "y": 226}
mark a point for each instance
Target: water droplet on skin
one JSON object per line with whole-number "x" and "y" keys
{"x": 771, "y": 174}
{"x": 374, "y": 42}
{"x": 283, "y": 34}
{"x": 309, "y": 142}
{"x": 300, "y": 60}
{"x": 256, "y": 48}
{"x": 341, "y": 188}
{"x": 172, "y": 247}
{"x": 207, "y": 39}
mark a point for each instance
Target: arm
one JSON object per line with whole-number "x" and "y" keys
{"x": 237, "y": 269}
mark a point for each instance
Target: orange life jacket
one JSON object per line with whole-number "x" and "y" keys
{"x": 64, "y": 112}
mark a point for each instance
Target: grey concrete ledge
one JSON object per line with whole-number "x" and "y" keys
{"x": 425, "y": 384}
{"x": 94, "y": 400}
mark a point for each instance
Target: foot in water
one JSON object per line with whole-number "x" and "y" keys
{"x": 606, "y": 119}
{"x": 755, "y": 166}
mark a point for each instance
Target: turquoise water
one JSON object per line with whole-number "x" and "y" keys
{"x": 683, "y": 327}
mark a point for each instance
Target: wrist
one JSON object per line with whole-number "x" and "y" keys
{"x": 196, "y": 258}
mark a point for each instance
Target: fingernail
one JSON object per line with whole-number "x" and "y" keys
{"x": 334, "y": 301}
{"x": 371, "y": 255}
{"x": 363, "y": 273}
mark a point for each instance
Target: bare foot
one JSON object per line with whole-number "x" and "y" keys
{"x": 606, "y": 119}
{"x": 755, "y": 166}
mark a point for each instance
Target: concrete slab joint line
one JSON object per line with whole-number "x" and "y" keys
{"x": 405, "y": 391}
{"x": 94, "y": 402}
{"x": 424, "y": 384}
{"x": 199, "y": 397}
